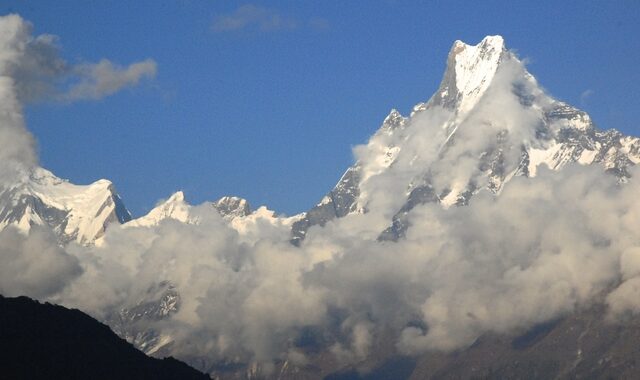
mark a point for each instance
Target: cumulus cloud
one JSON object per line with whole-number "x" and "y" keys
{"x": 34, "y": 265}
{"x": 532, "y": 254}
{"x": 39, "y": 73}
{"x": 17, "y": 146}
{"x": 543, "y": 248}
{"x": 31, "y": 69}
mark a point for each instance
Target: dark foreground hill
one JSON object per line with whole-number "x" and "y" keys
{"x": 44, "y": 341}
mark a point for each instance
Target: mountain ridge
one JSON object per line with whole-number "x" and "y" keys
{"x": 562, "y": 134}
{"x": 41, "y": 198}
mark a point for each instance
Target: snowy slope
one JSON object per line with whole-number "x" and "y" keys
{"x": 75, "y": 213}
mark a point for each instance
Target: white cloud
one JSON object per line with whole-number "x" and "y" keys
{"x": 38, "y": 71}
{"x": 34, "y": 265}
{"x": 31, "y": 70}
{"x": 250, "y": 16}
{"x": 17, "y": 146}
{"x": 544, "y": 247}
{"x": 585, "y": 95}
{"x": 97, "y": 80}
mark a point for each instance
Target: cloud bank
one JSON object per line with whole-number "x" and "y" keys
{"x": 544, "y": 248}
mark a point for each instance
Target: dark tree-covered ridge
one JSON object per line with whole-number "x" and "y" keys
{"x": 45, "y": 341}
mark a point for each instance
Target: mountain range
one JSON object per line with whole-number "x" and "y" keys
{"x": 560, "y": 134}
{"x": 488, "y": 122}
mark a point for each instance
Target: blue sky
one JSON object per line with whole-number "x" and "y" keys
{"x": 264, "y": 100}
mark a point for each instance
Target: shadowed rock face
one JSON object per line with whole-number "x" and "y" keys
{"x": 44, "y": 341}
{"x": 339, "y": 202}
{"x": 231, "y": 207}
{"x": 160, "y": 301}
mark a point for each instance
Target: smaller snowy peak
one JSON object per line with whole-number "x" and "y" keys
{"x": 393, "y": 121}
{"x": 177, "y": 208}
{"x": 567, "y": 116}
{"x": 174, "y": 207}
{"x": 232, "y": 207}
{"x": 176, "y": 197}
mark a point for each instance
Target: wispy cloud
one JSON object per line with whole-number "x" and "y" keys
{"x": 585, "y": 95}
{"x": 104, "y": 78}
{"x": 253, "y": 16}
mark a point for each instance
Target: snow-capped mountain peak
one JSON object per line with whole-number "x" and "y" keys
{"x": 174, "y": 207}
{"x": 488, "y": 121}
{"x": 74, "y": 212}
{"x": 456, "y": 144}
{"x": 469, "y": 73}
